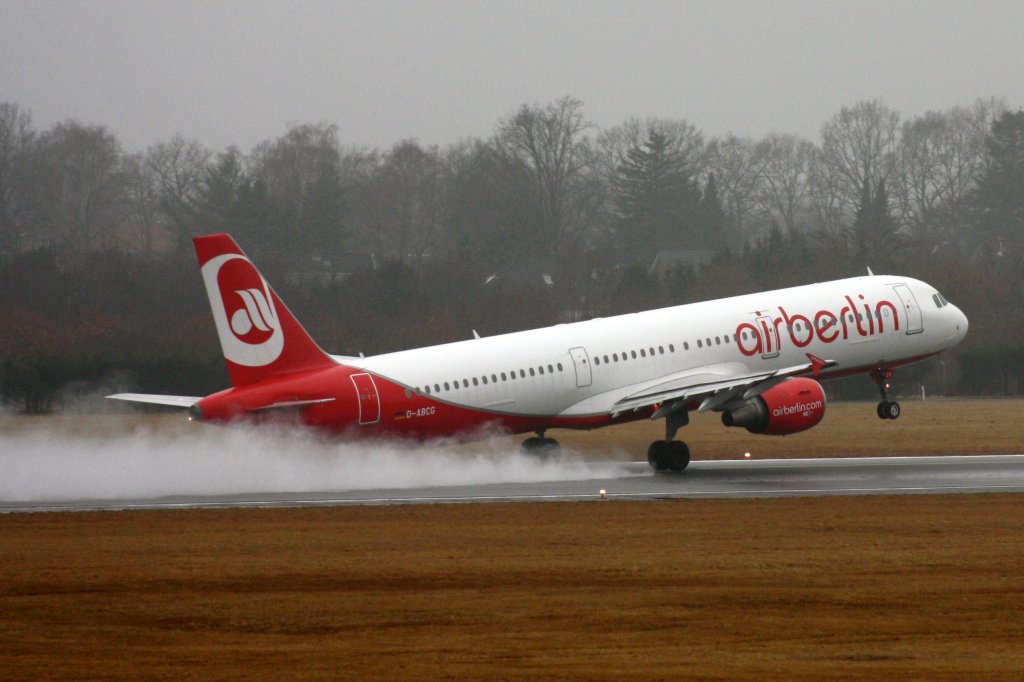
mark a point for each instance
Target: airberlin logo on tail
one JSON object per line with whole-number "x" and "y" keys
{"x": 256, "y": 316}
{"x": 243, "y": 310}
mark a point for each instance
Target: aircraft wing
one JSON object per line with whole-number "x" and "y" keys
{"x": 714, "y": 386}
{"x": 156, "y": 399}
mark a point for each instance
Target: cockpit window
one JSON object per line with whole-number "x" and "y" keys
{"x": 940, "y": 301}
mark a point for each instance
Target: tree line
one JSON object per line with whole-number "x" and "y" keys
{"x": 550, "y": 219}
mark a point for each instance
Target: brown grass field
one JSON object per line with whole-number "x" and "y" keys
{"x": 876, "y": 587}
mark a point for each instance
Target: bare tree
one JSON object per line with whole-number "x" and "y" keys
{"x": 784, "y": 187}
{"x": 16, "y": 138}
{"x": 82, "y": 188}
{"x": 404, "y": 202}
{"x": 941, "y": 157}
{"x": 143, "y": 194}
{"x": 302, "y": 174}
{"x": 548, "y": 144}
{"x": 357, "y": 170}
{"x": 489, "y": 216}
{"x": 178, "y": 169}
{"x": 826, "y": 196}
{"x": 738, "y": 164}
{"x": 859, "y": 145}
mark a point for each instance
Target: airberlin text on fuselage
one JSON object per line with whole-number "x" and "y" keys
{"x": 757, "y": 338}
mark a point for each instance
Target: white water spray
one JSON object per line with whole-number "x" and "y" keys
{"x": 40, "y": 463}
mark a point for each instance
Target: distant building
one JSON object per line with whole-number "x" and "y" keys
{"x": 323, "y": 270}
{"x": 694, "y": 259}
{"x": 534, "y": 272}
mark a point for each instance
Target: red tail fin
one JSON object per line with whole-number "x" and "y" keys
{"x": 258, "y": 334}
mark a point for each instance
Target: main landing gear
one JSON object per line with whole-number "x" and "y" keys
{"x": 670, "y": 455}
{"x": 887, "y": 409}
{"x": 541, "y": 447}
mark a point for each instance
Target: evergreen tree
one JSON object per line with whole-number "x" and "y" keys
{"x": 863, "y": 218}
{"x": 873, "y": 235}
{"x": 327, "y": 212}
{"x": 884, "y": 224}
{"x": 218, "y": 197}
{"x": 713, "y": 225}
{"x": 255, "y": 216}
{"x": 656, "y": 198}
{"x": 998, "y": 202}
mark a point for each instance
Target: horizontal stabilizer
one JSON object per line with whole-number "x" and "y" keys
{"x": 156, "y": 399}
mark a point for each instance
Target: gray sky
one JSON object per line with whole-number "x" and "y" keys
{"x": 240, "y": 72}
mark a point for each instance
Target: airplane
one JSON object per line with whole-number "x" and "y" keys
{"x": 757, "y": 359}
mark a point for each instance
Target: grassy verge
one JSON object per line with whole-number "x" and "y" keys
{"x": 868, "y": 587}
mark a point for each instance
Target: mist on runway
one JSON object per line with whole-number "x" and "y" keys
{"x": 44, "y": 464}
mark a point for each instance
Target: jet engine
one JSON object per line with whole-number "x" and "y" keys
{"x": 791, "y": 406}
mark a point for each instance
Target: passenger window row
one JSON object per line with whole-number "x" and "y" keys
{"x": 633, "y": 355}
{"x": 650, "y": 351}
{"x": 486, "y": 379}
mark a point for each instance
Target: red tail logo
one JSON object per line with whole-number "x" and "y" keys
{"x": 249, "y": 310}
{"x": 260, "y": 338}
{"x": 243, "y": 311}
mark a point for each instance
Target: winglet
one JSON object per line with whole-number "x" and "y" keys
{"x": 817, "y": 364}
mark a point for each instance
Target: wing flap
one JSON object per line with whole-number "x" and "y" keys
{"x": 712, "y": 388}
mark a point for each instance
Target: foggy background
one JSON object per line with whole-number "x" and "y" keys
{"x": 405, "y": 173}
{"x": 236, "y": 73}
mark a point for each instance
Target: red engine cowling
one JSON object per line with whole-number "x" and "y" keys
{"x": 789, "y": 407}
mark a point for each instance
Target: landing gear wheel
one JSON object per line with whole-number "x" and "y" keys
{"x": 657, "y": 455}
{"x": 542, "y": 448}
{"x": 678, "y": 455}
{"x": 889, "y": 409}
{"x": 665, "y": 455}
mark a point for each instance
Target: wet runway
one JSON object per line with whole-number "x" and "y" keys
{"x": 713, "y": 479}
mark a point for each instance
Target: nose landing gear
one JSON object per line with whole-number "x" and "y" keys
{"x": 887, "y": 409}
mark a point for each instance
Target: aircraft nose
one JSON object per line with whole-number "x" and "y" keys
{"x": 961, "y": 323}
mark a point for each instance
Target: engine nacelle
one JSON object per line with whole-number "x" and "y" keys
{"x": 789, "y": 407}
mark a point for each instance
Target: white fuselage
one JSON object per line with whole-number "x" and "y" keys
{"x": 585, "y": 368}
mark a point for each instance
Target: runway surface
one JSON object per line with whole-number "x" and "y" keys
{"x": 711, "y": 479}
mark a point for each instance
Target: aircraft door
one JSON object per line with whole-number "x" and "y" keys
{"x": 581, "y": 361}
{"x": 369, "y": 401}
{"x": 769, "y": 337}
{"x": 915, "y": 321}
